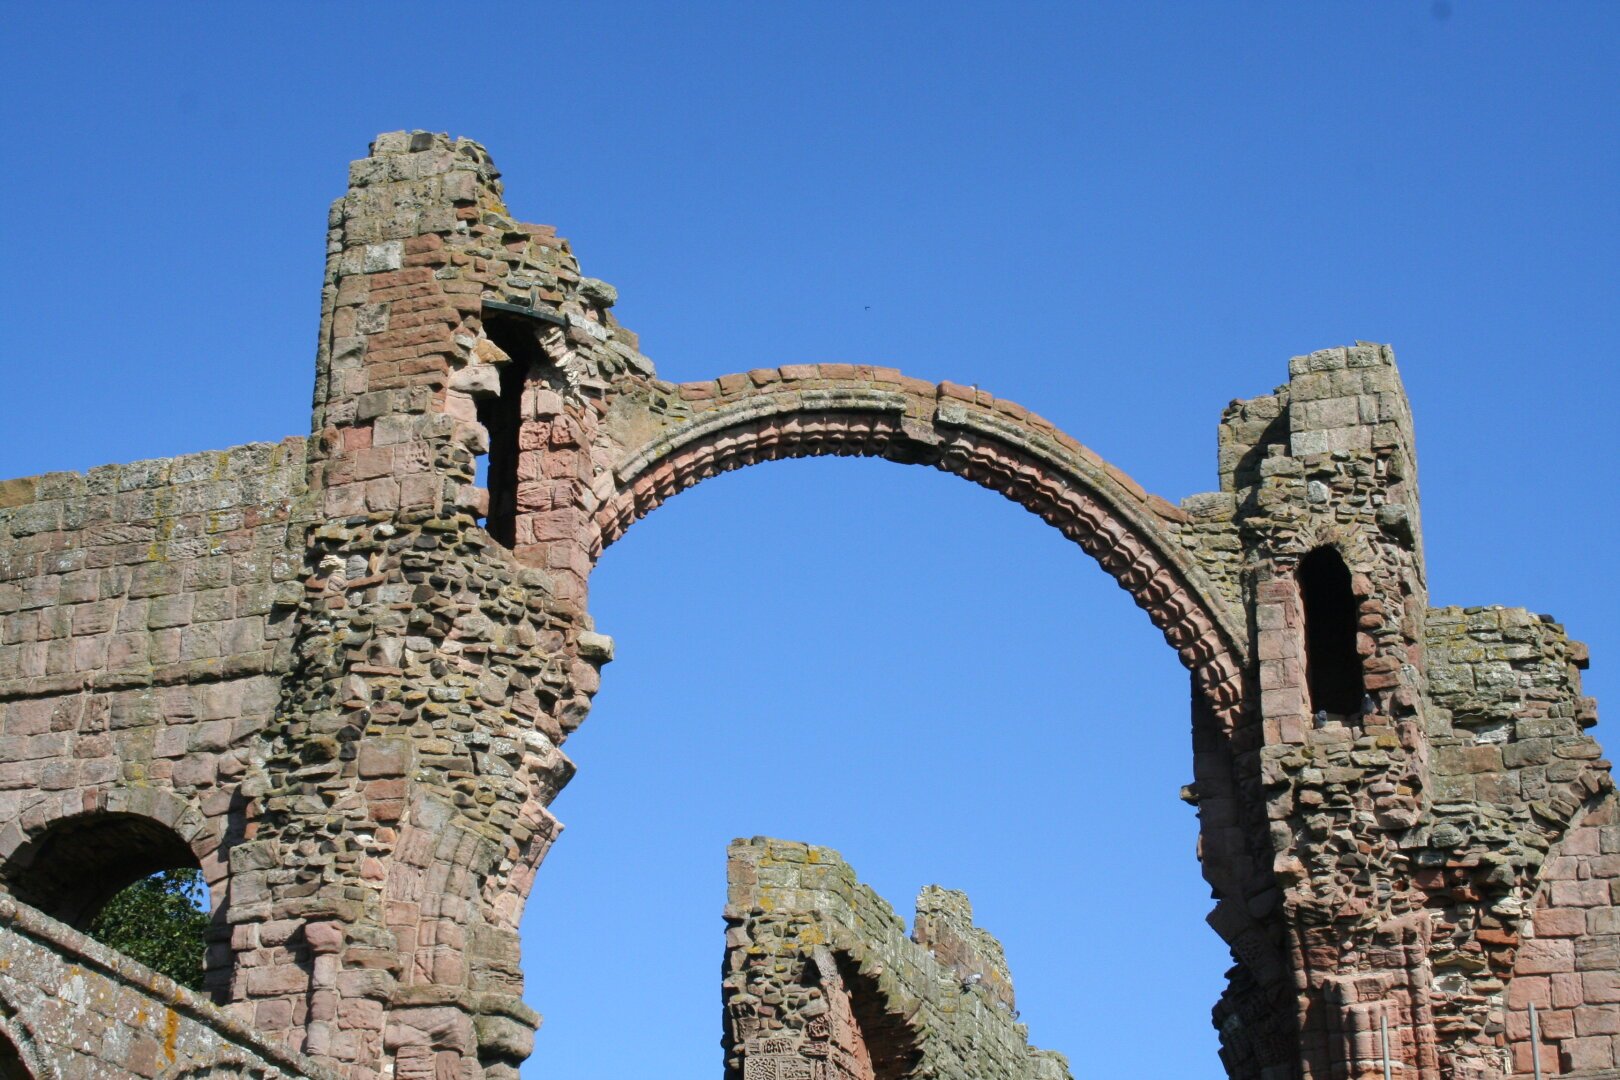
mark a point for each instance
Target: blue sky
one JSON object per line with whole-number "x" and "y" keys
{"x": 1121, "y": 216}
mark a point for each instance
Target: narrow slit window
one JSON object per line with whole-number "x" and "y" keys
{"x": 502, "y": 417}
{"x": 1332, "y": 664}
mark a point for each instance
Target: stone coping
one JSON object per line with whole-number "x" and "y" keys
{"x": 29, "y": 922}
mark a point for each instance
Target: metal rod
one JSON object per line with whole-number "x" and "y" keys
{"x": 1535, "y": 1041}
{"x": 1383, "y": 1035}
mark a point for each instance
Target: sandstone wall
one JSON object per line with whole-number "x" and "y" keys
{"x": 144, "y": 625}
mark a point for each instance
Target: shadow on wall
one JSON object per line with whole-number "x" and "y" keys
{"x": 11, "y": 1066}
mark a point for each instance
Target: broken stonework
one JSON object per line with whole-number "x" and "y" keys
{"x": 337, "y": 673}
{"x": 821, "y": 982}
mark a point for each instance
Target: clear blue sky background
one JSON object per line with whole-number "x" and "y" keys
{"x": 1121, "y": 215}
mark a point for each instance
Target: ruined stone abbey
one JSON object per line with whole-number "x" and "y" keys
{"x": 338, "y": 674}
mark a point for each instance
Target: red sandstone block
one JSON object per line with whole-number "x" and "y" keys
{"x": 1286, "y": 701}
{"x": 1560, "y": 922}
{"x": 1275, "y": 645}
{"x": 415, "y": 245}
{"x": 1555, "y": 1024}
{"x": 402, "y": 292}
{"x": 556, "y": 525}
{"x": 429, "y": 311}
{"x": 421, "y": 490}
{"x": 1597, "y": 1020}
{"x": 1525, "y": 991}
{"x": 345, "y": 501}
{"x": 886, "y": 375}
{"x": 793, "y": 372}
{"x": 418, "y": 305}
{"x": 373, "y": 461}
{"x": 1601, "y": 987}
{"x": 1567, "y": 991}
{"x": 838, "y": 371}
{"x": 764, "y": 376}
{"x": 353, "y": 290}
{"x": 920, "y": 387}
{"x": 1523, "y": 1065}
{"x": 384, "y": 758}
{"x": 1596, "y": 1052}
{"x": 1167, "y": 509}
{"x": 956, "y": 391}
{"x": 1278, "y": 590}
{"x": 733, "y": 384}
{"x": 1126, "y": 482}
{"x": 1583, "y": 894}
{"x": 400, "y": 339}
{"x": 697, "y": 391}
{"x": 1544, "y": 957}
{"x": 425, "y": 365}
{"x": 1012, "y": 409}
{"x": 391, "y": 379}
{"x": 273, "y": 1015}
{"x": 1518, "y": 1024}
{"x": 276, "y": 979}
{"x": 394, "y": 278}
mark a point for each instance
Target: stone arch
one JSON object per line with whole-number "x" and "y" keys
{"x": 68, "y": 864}
{"x": 841, "y": 410}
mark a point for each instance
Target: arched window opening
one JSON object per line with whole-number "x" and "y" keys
{"x": 1332, "y": 664}
{"x": 125, "y": 880}
{"x": 501, "y": 417}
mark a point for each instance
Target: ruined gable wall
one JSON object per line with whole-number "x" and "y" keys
{"x": 1522, "y": 859}
{"x": 821, "y": 981}
{"x": 400, "y": 812}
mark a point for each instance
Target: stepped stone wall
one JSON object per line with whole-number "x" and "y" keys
{"x": 822, "y": 983}
{"x": 338, "y": 673}
{"x": 77, "y": 1010}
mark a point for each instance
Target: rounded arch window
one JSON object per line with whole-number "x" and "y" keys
{"x": 1332, "y": 662}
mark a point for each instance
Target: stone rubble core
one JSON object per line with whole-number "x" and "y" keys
{"x": 337, "y": 673}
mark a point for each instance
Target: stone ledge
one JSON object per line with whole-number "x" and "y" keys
{"x": 78, "y": 949}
